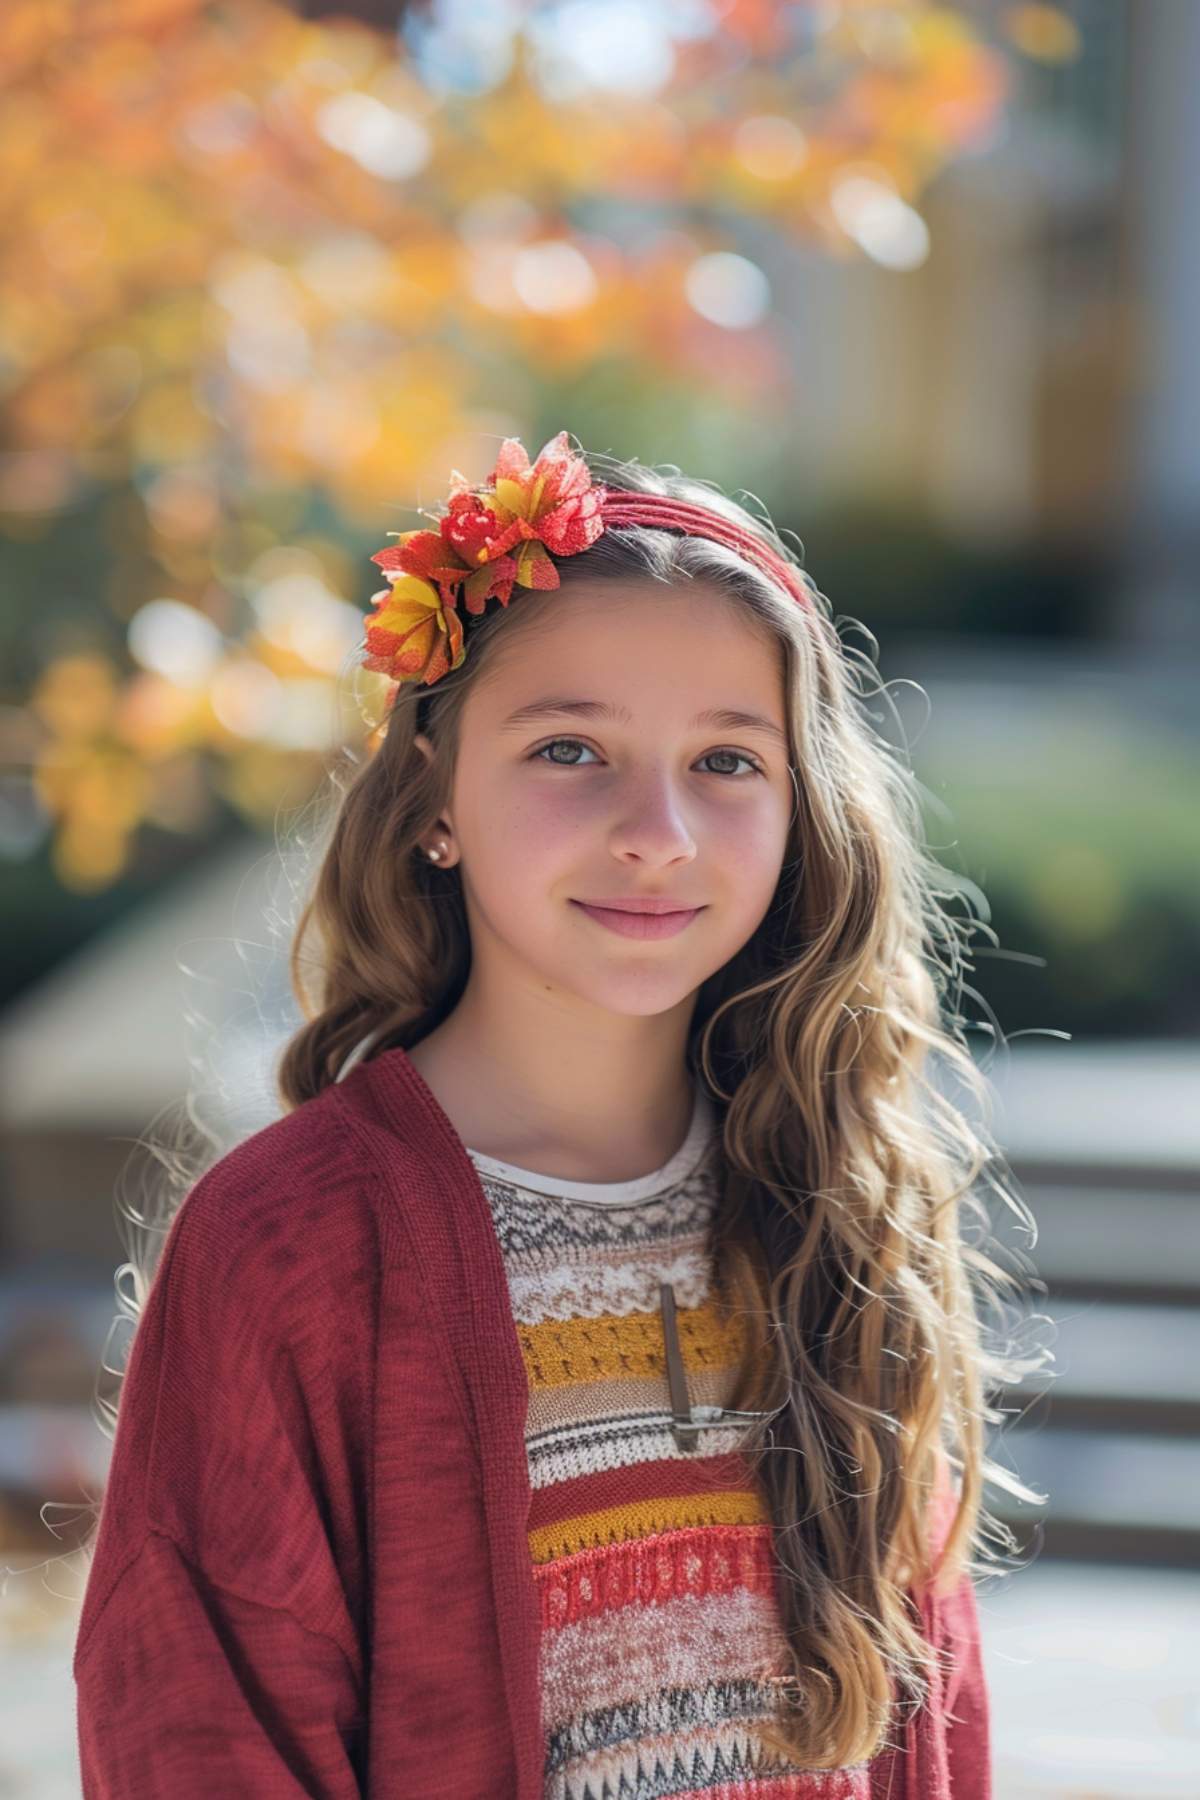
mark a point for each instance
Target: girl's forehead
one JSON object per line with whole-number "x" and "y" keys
{"x": 634, "y": 636}
{"x": 618, "y": 656}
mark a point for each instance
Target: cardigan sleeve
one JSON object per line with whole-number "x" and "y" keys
{"x": 217, "y": 1649}
{"x": 186, "y": 1689}
{"x": 966, "y": 1705}
{"x": 944, "y": 1750}
{"x": 965, "y": 1725}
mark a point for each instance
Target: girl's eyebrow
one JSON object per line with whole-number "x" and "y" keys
{"x": 729, "y": 718}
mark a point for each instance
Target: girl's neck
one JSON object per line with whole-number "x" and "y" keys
{"x": 584, "y": 1109}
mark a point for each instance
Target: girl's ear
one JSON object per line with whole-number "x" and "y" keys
{"x": 424, "y": 746}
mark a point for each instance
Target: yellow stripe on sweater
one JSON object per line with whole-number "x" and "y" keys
{"x": 618, "y": 1524}
{"x": 561, "y": 1351}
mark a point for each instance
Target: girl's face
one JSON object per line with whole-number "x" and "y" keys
{"x": 637, "y": 796}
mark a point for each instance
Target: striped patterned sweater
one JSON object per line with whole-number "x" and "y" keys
{"x": 653, "y": 1564}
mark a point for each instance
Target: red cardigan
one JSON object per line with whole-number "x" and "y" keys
{"x": 312, "y": 1571}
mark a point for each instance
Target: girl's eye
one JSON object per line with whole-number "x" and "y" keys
{"x": 574, "y": 743}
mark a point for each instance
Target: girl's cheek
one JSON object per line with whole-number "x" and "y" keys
{"x": 563, "y": 805}
{"x": 753, "y": 833}
{"x": 537, "y": 824}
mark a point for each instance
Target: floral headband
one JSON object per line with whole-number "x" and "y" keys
{"x": 507, "y": 533}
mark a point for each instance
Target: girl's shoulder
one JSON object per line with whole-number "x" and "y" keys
{"x": 314, "y": 1175}
{"x": 292, "y": 1229}
{"x": 282, "y": 1185}
{"x": 287, "y": 1226}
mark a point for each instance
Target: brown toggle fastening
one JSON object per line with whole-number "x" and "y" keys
{"x": 687, "y": 1432}
{"x": 684, "y": 1423}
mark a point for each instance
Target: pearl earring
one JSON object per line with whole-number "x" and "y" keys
{"x": 435, "y": 856}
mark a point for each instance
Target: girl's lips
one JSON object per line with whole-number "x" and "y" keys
{"x": 639, "y": 924}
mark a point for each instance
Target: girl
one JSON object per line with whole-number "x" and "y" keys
{"x": 579, "y": 1390}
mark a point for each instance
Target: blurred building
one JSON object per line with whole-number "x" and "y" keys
{"x": 1035, "y": 378}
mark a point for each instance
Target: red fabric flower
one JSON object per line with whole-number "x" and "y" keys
{"x": 547, "y": 508}
{"x": 541, "y": 510}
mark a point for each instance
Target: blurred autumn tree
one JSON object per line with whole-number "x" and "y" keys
{"x": 268, "y": 275}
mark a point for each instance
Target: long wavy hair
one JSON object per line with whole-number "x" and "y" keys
{"x": 851, "y": 1237}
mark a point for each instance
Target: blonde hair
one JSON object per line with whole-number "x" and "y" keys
{"x": 847, "y": 1175}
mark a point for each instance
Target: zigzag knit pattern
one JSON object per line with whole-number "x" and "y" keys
{"x": 653, "y": 1564}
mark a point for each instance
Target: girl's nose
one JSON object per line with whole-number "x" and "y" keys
{"x": 652, "y": 823}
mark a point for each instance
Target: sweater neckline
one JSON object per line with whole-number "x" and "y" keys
{"x": 614, "y": 1193}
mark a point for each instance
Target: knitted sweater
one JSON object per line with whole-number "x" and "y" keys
{"x": 652, "y": 1562}
{"x": 391, "y": 1510}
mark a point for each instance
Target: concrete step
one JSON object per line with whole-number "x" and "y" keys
{"x": 1126, "y": 1356}
{"x": 1131, "y": 1496}
{"x": 1118, "y": 1233}
{"x": 1093, "y": 1673}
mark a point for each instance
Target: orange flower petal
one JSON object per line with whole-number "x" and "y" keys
{"x": 411, "y": 631}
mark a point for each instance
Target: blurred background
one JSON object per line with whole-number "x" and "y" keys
{"x": 922, "y": 279}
